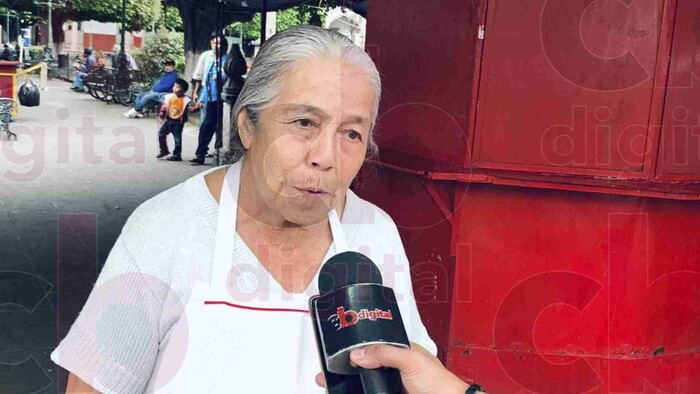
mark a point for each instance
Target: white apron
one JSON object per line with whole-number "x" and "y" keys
{"x": 225, "y": 343}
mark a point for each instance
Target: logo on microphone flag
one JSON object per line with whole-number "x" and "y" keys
{"x": 349, "y": 318}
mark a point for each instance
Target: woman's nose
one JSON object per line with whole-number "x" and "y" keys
{"x": 324, "y": 149}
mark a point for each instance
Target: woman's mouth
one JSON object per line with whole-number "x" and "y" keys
{"x": 312, "y": 192}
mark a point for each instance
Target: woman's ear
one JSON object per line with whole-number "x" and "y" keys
{"x": 245, "y": 128}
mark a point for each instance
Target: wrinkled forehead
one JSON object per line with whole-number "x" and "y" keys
{"x": 330, "y": 84}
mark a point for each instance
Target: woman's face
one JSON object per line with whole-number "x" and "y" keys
{"x": 311, "y": 140}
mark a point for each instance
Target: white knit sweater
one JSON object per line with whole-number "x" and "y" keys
{"x": 166, "y": 247}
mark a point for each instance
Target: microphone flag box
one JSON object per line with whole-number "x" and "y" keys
{"x": 355, "y": 316}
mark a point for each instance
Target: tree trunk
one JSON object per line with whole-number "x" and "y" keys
{"x": 57, "y": 21}
{"x": 198, "y": 23}
{"x": 191, "y": 58}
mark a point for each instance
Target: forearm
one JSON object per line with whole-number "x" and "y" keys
{"x": 455, "y": 387}
{"x": 77, "y": 386}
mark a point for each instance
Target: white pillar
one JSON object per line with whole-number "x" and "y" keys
{"x": 271, "y": 27}
{"x": 74, "y": 36}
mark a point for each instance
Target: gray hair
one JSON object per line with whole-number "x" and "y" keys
{"x": 276, "y": 56}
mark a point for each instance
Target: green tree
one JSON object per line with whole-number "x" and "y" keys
{"x": 139, "y": 14}
{"x": 301, "y": 15}
{"x": 169, "y": 19}
{"x": 159, "y": 46}
{"x": 199, "y": 19}
{"x": 198, "y": 22}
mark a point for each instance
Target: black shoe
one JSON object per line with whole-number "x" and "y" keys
{"x": 174, "y": 158}
{"x": 162, "y": 155}
{"x": 197, "y": 161}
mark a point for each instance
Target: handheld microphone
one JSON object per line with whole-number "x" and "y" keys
{"x": 354, "y": 309}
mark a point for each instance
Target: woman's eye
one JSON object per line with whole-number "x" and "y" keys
{"x": 354, "y": 135}
{"x": 305, "y": 122}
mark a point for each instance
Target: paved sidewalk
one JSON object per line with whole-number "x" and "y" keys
{"x": 67, "y": 185}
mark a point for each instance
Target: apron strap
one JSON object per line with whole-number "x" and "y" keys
{"x": 226, "y": 225}
{"x": 341, "y": 244}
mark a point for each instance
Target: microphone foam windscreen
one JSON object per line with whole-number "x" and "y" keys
{"x": 348, "y": 268}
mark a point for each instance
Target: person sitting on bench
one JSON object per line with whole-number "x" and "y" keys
{"x": 82, "y": 70}
{"x": 155, "y": 96}
{"x": 7, "y": 53}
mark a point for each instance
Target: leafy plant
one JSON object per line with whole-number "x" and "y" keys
{"x": 165, "y": 16}
{"x": 36, "y": 52}
{"x": 159, "y": 46}
{"x": 301, "y": 15}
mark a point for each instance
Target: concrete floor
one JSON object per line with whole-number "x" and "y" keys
{"x": 67, "y": 185}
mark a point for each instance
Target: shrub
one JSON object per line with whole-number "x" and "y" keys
{"x": 36, "y": 52}
{"x": 160, "y": 46}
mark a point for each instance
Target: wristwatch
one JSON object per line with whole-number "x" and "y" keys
{"x": 475, "y": 388}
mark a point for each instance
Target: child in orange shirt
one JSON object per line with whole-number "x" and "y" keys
{"x": 173, "y": 113}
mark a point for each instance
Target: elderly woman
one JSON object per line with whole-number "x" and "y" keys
{"x": 206, "y": 288}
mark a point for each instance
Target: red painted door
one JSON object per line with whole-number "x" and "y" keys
{"x": 409, "y": 42}
{"x": 679, "y": 156}
{"x": 567, "y": 86}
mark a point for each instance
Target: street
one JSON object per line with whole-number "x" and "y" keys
{"x": 67, "y": 185}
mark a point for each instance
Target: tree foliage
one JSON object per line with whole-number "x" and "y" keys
{"x": 301, "y": 15}
{"x": 169, "y": 19}
{"x": 159, "y": 46}
{"x": 198, "y": 22}
{"x": 139, "y": 13}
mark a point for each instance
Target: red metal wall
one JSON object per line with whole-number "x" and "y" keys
{"x": 423, "y": 88}
{"x": 426, "y": 236}
{"x": 567, "y": 84}
{"x": 565, "y": 292}
{"x": 554, "y": 291}
{"x": 679, "y": 158}
{"x": 589, "y": 289}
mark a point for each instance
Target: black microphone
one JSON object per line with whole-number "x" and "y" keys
{"x": 354, "y": 309}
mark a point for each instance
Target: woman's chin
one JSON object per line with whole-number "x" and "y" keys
{"x": 306, "y": 213}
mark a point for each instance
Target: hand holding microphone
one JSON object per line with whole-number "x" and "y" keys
{"x": 359, "y": 331}
{"x": 421, "y": 372}
{"x": 355, "y": 310}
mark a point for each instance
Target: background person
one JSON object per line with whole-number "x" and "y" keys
{"x": 7, "y": 53}
{"x": 209, "y": 100}
{"x": 173, "y": 113}
{"x": 82, "y": 70}
{"x": 156, "y": 95}
{"x": 115, "y": 58}
{"x": 198, "y": 76}
{"x": 235, "y": 68}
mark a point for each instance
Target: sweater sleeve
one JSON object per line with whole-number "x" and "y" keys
{"x": 165, "y": 84}
{"x": 89, "y": 63}
{"x": 198, "y": 73}
{"x": 113, "y": 344}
